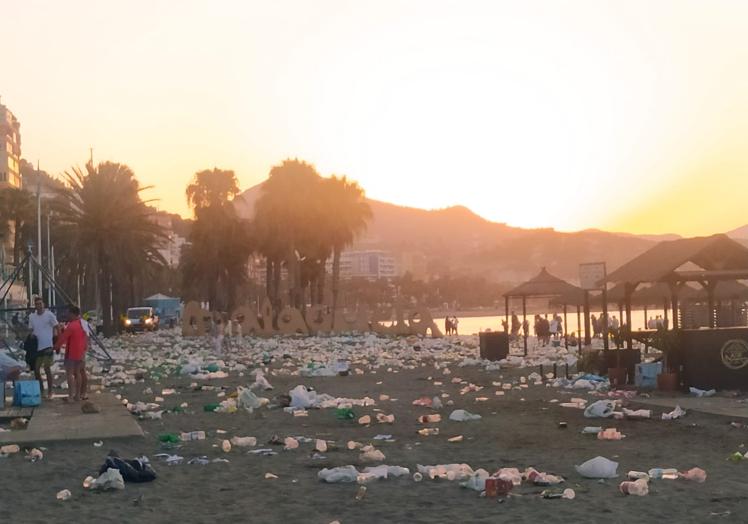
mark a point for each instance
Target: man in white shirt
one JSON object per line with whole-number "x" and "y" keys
{"x": 43, "y": 325}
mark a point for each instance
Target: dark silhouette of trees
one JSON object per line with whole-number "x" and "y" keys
{"x": 105, "y": 230}
{"x": 214, "y": 263}
{"x": 301, "y": 220}
{"x": 17, "y": 218}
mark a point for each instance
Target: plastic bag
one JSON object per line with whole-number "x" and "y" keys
{"x": 477, "y": 481}
{"x": 341, "y": 474}
{"x": 301, "y": 397}
{"x": 598, "y": 468}
{"x": 249, "y": 400}
{"x": 460, "y": 415}
{"x": 600, "y": 409}
{"x": 678, "y": 412}
{"x": 135, "y": 470}
{"x": 110, "y": 479}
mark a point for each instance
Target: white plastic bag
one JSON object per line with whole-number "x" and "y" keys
{"x": 341, "y": 474}
{"x": 477, "y": 481}
{"x": 249, "y": 400}
{"x": 110, "y": 479}
{"x": 598, "y": 468}
{"x": 460, "y": 415}
{"x": 600, "y": 409}
{"x": 301, "y": 397}
{"x": 678, "y": 412}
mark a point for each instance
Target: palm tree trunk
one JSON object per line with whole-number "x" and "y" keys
{"x": 275, "y": 299}
{"x": 293, "y": 273}
{"x": 105, "y": 289}
{"x": 321, "y": 283}
{"x": 269, "y": 278}
{"x": 335, "y": 282}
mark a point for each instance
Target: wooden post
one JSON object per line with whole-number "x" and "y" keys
{"x": 524, "y": 319}
{"x": 710, "y": 284}
{"x": 506, "y": 312}
{"x": 566, "y": 333}
{"x": 665, "y": 307}
{"x": 604, "y": 324}
{"x": 579, "y": 326}
{"x": 674, "y": 298}
{"x": 628, "y": 291}
{"x": 587, "y": 334}
{"x": 646, "y": 326}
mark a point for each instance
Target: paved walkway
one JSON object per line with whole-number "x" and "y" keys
{"x": 728, "y": 407}
{"x": 59, "y": 420}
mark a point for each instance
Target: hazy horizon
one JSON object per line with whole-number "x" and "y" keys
{"x": 630, "y": 118}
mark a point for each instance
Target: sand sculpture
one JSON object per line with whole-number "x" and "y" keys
{"x": 247, "y": 320}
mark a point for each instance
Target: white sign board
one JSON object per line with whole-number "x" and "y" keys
{"x": 591, "y": 275}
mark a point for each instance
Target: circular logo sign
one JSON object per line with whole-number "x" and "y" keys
{"x": 735, "y": 354}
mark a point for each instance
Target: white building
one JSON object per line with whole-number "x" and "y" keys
{"x": 371, "y": 264}
{"x": 10, "y": 149}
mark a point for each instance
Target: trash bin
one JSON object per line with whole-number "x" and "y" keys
{"x": 646, "y": 374}
{"x": 629, "y": 359}
{"x": 494, "y": 345}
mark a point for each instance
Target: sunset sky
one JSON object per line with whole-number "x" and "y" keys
{"x": 626, "y": 116}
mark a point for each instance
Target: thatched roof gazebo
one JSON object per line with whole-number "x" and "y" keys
{"x": 545, "y": 285}
{"x": 711, "y": 259}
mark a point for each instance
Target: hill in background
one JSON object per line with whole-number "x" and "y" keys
{"x": 455, "y": 241}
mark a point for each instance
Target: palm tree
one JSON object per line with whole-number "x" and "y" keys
{"x": 348, "y": 216}
{"x": 288, "y": 221}
{"x": 214, "y": 265}
{"x": 108, "y": 229}
{"x": 17, "y": 215}
{"x": 211, "y": 188}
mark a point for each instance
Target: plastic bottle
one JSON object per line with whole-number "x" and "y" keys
{"x": 660, "y": 473}
{"x": 361, "y": 493}
{"x": 171, "y": 438}
{"x": 192, "y": 435}
{"x": 638, "y": 487}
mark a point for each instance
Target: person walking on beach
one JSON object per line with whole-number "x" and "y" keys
{"x": 43, "y": 325}
{"x": 448, "y": 325}
{"x": 217, "y": 334}
{"x": 515, "y": 325}
{"x": 75, "y": 340}
{"x": 455, "y": 322}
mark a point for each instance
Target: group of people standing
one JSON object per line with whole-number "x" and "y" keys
{"x": 598, "y": 325}
{"x": 546, "y": 329}
{"x": 450, "y": 325}
{"x": 47, "y": 337}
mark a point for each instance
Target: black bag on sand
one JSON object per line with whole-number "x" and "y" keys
{"x": 131, "y": 470}
{"x": 30, "y": 346}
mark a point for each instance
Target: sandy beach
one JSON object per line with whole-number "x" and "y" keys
{"x": 518, "y": 429}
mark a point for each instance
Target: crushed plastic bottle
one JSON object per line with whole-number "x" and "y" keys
{"x": 639, "y": 487}
{"x": 244, "y": 442}
{"x": 694, "y": 474}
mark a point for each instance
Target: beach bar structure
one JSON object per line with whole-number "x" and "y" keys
{"x": 545, "y": 285}
{"x": 712, "y": 357}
